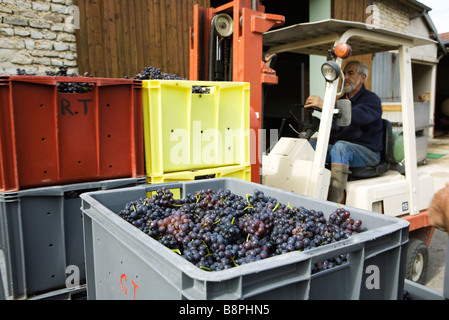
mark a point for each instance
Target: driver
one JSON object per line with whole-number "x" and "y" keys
{"x": 359, "y": 144}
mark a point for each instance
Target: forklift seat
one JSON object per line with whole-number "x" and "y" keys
{"x": 385, "y": 160}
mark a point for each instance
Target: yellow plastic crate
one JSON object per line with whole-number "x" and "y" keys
{"x": 186, "y": 131}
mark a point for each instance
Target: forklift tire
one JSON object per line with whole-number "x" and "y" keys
{"x": 416, "y": 263}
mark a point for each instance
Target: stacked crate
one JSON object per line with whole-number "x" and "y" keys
{"x": 54, "y": 146}
{"x": 196, "y": 130}
{"x": 113, "y": 133}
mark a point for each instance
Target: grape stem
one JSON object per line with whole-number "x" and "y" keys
{"x": 207, "y": 248}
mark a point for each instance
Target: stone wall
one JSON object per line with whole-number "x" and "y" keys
{"x": 37, "y": 36}
{"x": 392, "y": 15}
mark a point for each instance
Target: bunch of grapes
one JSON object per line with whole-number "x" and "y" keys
{"x": 220, "y": 230}
{"x": 153, "y": 73}
{"x": 23, "y": 72}
{"x": 65, "y": 87}
{"x": 71, "y": 87}
{"x": 342, "y": 218}
{"x": 75, "y": 87}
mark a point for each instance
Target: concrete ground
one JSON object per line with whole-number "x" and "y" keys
{"x": 437, "y": 261}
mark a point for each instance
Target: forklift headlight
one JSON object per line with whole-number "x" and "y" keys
{"x": 331, "y": 71}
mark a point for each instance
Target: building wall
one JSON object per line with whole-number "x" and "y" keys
{"x": 392, "y": 15}
{"x": 119, "y": 38}
{"x": 318, "y": 10}
{"x": 106, "y": 38}
{"x": 37, "y": 36}
{"x": 427, "y": 53}
{"x": 395, "y": 15}
{"x": 398, "y": 16}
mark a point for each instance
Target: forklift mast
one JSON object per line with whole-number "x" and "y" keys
{"x": 226, "y": 44}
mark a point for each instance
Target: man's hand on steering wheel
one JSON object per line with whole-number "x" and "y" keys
{"x": 314, "y": 102}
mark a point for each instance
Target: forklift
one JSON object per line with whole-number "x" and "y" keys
{"x": 295, "y": 166}
{"x": 227, "y": 44}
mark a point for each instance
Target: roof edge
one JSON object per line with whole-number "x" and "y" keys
{"x": 419, "y": 4}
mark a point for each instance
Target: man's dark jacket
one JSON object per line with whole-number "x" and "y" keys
{"x": 366, "y": 126}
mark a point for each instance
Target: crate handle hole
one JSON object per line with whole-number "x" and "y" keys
{"x": 75, "y": 87}
{"x": 205, "y": 177}
{"x": 201, "y": 90}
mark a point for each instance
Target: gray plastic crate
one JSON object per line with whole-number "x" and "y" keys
{"x": 124, "y": 263}
{"x": 417, "y": 291}
{"x": 41, "y": 233}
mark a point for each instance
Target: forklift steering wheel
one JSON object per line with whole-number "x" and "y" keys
{"x": 310, "y": 125}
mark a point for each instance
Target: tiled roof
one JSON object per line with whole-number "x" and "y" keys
{"x": 444, "y": 37}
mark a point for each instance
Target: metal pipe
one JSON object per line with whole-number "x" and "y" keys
{"x": 254, "y": 5}
{"x": 212, "y": 51}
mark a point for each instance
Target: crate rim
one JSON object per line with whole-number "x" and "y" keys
{"x": 151, "y": 83}
{"x": 53, "y": 80}
{"x": 58, "y": 189}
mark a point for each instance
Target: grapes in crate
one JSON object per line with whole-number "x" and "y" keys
{"x": 65, "y": 86}
{"x": 153, "y": 73}
{"x": 221, "y": 230}
{"x": 71, "y": 87}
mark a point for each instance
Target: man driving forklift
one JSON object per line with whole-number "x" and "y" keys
{"x": 359, "y": 144}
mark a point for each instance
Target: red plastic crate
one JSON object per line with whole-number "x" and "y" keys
{"x": 48, "y": 137}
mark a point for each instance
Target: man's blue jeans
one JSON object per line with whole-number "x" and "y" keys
{"x": 354, "y": 155}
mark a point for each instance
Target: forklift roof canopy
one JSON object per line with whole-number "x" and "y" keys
{"x": 319, "y": 37}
